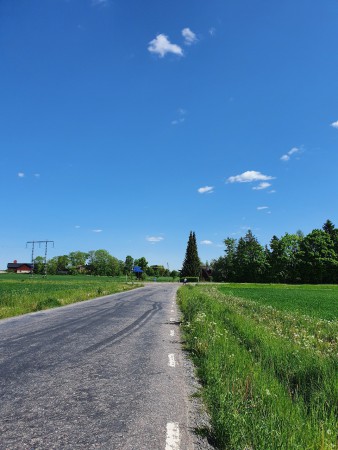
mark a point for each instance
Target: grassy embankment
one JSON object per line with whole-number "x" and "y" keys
{"x": 268, "y": 366}
{"x": 21, "y": 294}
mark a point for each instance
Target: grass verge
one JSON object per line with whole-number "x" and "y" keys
{"x": 21, "y": 294}
{"x": 266, "y": 386}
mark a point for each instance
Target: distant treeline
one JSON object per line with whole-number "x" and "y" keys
{"x": 292, "y": 258}
{"x": 98, "y": 262}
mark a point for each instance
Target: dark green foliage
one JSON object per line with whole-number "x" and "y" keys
{"x": 192, "y": 264}
{"x": 292, "y": 258}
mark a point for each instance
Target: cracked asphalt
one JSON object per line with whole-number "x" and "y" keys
{"x": 95, "y": 375}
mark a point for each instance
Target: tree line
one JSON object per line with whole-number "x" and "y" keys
{"x": 291, "y": 258}
{"x": 97, "y": 262}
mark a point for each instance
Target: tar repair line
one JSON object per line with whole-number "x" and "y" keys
{"x": 173, "y": 436}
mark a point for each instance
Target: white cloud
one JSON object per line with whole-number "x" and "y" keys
{"x": 77, "y": 226}
{"x": 272, "y": 191}
{"x": 189, "y": 36}
{"x": 161, "y": 46}
{"x": 206, "y": 190}
{"x": 260, "y": 208}
{"x": 212, "y": 31}
{"x": 291, "y": 152}
{"x": 334, "y": 124}
{"x": 97, "y": 231}
{"x": 206, "y": 242}
{"x": 37, "y": 175}
{"x": 99, "y": 2}
{"x": 154, "y": 239}
{"x": 181, "y": 112}
{"x": 21, "y": 174}
{"x": 249, "y": 177}
{"x": 262, "y": 185}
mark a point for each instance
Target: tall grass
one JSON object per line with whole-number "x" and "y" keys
{"x": 266, "y": 386}
{"x": 21, "y": 294}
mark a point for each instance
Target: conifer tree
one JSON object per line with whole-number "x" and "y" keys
{"x": 192, "y": 264}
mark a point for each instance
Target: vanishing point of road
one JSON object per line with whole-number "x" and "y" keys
{"x": 103, "y": 374}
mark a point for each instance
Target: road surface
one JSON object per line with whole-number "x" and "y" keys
{"x": 102, "y": 374}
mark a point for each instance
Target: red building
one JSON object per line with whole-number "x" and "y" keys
{"x": 19, "y": 267}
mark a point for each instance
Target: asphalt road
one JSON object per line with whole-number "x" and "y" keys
{"x": 102, "y": 374}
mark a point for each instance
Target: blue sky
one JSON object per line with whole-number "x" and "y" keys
{"x": 126, "y": 124}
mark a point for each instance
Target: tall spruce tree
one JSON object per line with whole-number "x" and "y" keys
{"x": 192, "y": 264}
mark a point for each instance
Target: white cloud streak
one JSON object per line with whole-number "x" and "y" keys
{"x": 206, "y": 190}
{"x": 161, "y": 46}
{"x": 335, "y": 124}
{"x": 261, "y": 208}
{"x": 206, "y": 242}
{"x": 154, "y": 239}
{"x": 189, "y": 36}
{"x": 249, "y": 177}
{"x": 291, "y": 152}
{"x": 261, "y": 186}
{"x": 97, "y": 231}
{"x": 21, "y": 174}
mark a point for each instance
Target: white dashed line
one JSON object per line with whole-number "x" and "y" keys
{"x": 172, "y": 311}
{"x": 173, "y": 436}
{"x": 172, "y": 319}
{"x": 172, "y": 362}
{"x": 172, "y": 332}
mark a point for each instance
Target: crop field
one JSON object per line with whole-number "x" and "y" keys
{"x": 267, "y": 359}
{"x": 21, "y": 294}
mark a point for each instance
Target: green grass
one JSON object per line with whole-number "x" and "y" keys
{"x": 315, "y": 300}
{"x": 269, "y": 374}
{"x": 21, "y": 294}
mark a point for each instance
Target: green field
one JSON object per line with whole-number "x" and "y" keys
{"x": 316, "y": 300}
{"x": 267, "y": 359}
{"x": 21, "y": 294}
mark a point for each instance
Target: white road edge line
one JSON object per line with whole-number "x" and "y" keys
{"x": 173, "y": 436}
{"x": 172, "y": 362}
{"x": 172, "y": 332}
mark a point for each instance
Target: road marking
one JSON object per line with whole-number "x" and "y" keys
{"x": 172, "y": 319}
{"x": 172, "y": 311}
{"x": 173, "y": 436}
{"x": 172, "y": 362}
{"x": 172, "y": 333}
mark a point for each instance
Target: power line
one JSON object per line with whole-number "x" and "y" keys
{"x": 33, "y": 248}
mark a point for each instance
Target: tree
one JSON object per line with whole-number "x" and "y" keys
{"x": 283, "y": 258}
{"x": 77, "y": 261}
{"x": 39, "y": 265}
{"x": 317, "y": 258}
{"x": 192, "y": 264}
{"x": 141, "y": 262}
{"x": 250, "y": 259}
{"x": 128, "y": 265}
{"x": 103, "y": 263}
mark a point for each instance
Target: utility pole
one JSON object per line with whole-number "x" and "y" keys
{"x": 33, "y": 247}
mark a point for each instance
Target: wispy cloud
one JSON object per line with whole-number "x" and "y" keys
{"x": 181, "y": 117}
{"x": 206, "y": 242}
{"x": 21, "y": 174}
{"x": 249, "y": 177}
{"x": 262, "y": 185}
{"x": 77, "y": 226}
{"x": 261, "y": 208}
{"x": 212, "y": 31}
{"x": 288, "y": 155}
{"x": 161, "y": 46}
{"x": 189, "y": 36}
{"x": 100, "y": 2}
{"x": 334, "y": 124}
{"x": 206, "y": 190}
{"x": 37, "y": 175}
{"x": 154, "y": 239}
{"x": 97, "y": 231}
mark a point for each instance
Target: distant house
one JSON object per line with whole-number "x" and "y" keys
{"x": 19, "y": 267}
